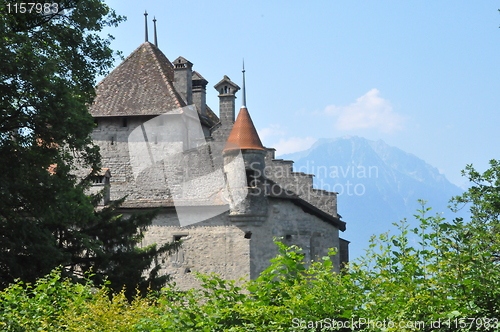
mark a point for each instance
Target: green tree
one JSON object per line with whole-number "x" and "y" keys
{"x": 481, "y": 235}
{"x": 49, "y": 61}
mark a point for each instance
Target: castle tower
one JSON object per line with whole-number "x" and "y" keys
{"x": 244, "y": 138}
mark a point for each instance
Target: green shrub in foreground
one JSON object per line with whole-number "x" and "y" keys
{"x": 438, "y": 274}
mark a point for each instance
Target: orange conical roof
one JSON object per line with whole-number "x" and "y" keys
{"x": 243, "y": 135}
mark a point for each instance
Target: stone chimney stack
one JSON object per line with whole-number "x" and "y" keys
{"x": 200, "y": 93}
{"x": 183, "y": 79}
{"x": 227, "y": 90}
{"x": 227, "y": 98}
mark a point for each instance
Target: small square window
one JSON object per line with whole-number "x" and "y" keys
{"x": 179, "y": 237}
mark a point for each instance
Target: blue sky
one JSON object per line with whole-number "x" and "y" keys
{"x": 423, "y": 76}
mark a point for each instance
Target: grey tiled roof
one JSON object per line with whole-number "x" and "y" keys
{"x": 141, "y": 85}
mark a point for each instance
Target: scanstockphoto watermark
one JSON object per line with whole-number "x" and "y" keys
{"x": 330, "y": 324}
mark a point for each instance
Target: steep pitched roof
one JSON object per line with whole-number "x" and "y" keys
{"x": 243, "y": 135}
{"x": 141, "y": 85}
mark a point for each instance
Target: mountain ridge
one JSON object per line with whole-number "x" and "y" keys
{"x": 377, "y": 184}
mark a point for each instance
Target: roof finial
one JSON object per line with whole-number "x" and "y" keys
{"x": 244, "y": 101}
{"x": 146, "y": 25}
{"x": 154, "y": 24}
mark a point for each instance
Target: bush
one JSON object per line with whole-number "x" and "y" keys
{"x": 435, "y": 277}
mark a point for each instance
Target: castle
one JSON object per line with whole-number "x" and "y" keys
{"x": 216, "y": 186}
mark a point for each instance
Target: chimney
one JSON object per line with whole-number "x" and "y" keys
{"x": 227, "y": 90}
{"x": 183, "y": 79}
{"x": 200, "y": 93}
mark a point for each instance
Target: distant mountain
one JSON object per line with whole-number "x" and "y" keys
{"x": 377, "y": 184}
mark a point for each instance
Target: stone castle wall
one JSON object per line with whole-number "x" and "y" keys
{"x": 239, "y": 250}
{"x": 148, "y": 164}
{"x": 289, "y": 222}
{"x": 213, "y": 246}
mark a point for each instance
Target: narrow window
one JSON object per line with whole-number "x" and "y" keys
{"x": 248, "y": 235}
{"x": 96, "y": 122}
{"x": 112, "y": 140}
{"x": 251, "y": 178}
{"x": 124, "y": 122}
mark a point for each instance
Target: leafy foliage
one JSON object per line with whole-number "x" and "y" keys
{"x": 418, "y": 280}
{"x": 421, "y": 279}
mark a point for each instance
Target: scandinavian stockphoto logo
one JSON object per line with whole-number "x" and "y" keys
{"x": 170, "y": 159}
{"x": 347, "y": 179}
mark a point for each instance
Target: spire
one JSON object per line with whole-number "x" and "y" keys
{"x": 243, "y": 136}
{"x": 244, "y": 98}
{"x": 154, "y": 24}
{"x": 146, "y": 26}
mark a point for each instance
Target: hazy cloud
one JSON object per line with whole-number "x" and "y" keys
{"x": 369, "y": 111}
{"x": 293, "y": 144}
{"x": 271, "y": 131}
{"x": 275, "y": 136}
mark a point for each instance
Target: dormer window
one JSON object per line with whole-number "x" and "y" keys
{"x": 101, "y": 179}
